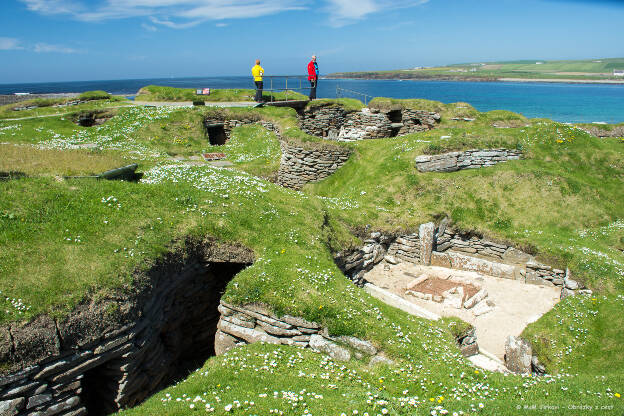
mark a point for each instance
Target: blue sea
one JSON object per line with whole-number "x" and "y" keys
{"x": 562, "y": 102}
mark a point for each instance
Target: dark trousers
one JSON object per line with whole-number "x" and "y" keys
{"x": 313, "y": 84}
{"x": 259, "y": 86}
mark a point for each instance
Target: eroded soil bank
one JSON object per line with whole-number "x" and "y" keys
{"x": 115, "y": 352}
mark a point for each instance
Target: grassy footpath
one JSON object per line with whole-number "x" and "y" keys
{"x": 63, "y": 240}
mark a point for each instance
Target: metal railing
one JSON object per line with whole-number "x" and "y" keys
{"x": 296, "y": 85}
{"x": 340, "y": 93}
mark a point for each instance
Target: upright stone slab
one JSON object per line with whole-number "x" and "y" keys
{"x": 425, "y": 234}
{"x": 518, "y": 353}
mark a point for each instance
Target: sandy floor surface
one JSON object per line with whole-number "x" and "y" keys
{"x": 516, "y": 304}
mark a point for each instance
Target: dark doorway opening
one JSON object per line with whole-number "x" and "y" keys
{"x": 180, "y": 339}
{"x": 216, "y": 134}
{"x": 395, "y": 116}
{"x": 396, "y": 120}
{"x": 99, "y": 390}
{"x": 189, "y": 342}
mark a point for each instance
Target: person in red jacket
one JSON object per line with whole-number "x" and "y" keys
{"x": 313, "y": 73}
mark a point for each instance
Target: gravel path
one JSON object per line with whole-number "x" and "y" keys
{"x": 190, "y": 103}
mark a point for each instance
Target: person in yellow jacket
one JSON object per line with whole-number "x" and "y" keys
{"x": 257, "y": 72}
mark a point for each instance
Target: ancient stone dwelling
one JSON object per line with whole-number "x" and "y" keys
{"x": 337, "y": 123}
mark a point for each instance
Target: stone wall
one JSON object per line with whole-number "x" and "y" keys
{"x": 447, "y": 239}
{"x": 240, "y": 325}
{"x": 365, "y": 125}
{"x": 336, "y": 123}
{"x": 497, "y": 259}
{"x": 469, "y": 159}
{"x": 299, "y": 165}
{"x": 354, "y": 263}
{"x": 230, "y": 124}
{"x": 113, "y": 354}
{"x": 440, "y": 246}
{"x": 615, "y": 131}
{"x": 322, "y": 121}
{"x": 415, "y": 121}
{"x": 406, "y": 248}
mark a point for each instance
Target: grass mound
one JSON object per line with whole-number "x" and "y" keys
{"x": 161, "y": 93}
{"x": 66, "y": 240}
{"x": 94, "y": 95}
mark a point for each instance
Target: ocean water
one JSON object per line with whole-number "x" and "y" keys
{"x": 573, "y": 103}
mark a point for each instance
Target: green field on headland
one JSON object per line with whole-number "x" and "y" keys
{"x": 591, "y": 70}
{"x": 65, "y": 241}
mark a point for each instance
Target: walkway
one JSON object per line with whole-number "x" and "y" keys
{"x": 190, "y": 103}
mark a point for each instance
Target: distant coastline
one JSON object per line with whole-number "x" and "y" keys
{"x": 466, "y": 79}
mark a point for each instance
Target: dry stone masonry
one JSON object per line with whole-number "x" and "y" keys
{"x": 469, "y": 159}
{"x": 440, "y": 246}
{"x": 241, "y": 325}
{"x": 300, "y": 165}
{"x": 336, "y": 123}
{"x": 109, "y": 355}
{"x": 443, "y": 247}
{"x": 219, "y": 130}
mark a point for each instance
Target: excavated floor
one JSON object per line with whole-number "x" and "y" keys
{"x": 516, "y": 304}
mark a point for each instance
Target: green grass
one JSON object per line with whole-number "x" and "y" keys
{"x": 349, "y": 104}
{"x": 66, "y": 240}
{"x": 160, "y": 93}
{"x": 94, "y": 95}
{"x": 254, "y": 150}
{"x": 46, "y": 107}
{"x": 32, "y": 161}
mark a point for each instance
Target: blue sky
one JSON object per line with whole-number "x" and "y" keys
{"x": 65, "y": 40}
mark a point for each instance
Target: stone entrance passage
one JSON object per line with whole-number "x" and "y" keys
{"x": 113, "y": 354}
{"x": 92, "y": 118}
{"x": 216, "y": 133}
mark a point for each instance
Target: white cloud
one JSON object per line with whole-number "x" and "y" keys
{"x": 47, "y": 48}
{"x": 181, "y": 14}
{"x": 8, "y": 44}
{"x": 174, "y": 25}
{"x": 221, "y": 24}
{"x": 52, "y": 6}
{"x": 344, "y": 12}
{"x": 177, "y": 14}
{"x": 149, "y": 28}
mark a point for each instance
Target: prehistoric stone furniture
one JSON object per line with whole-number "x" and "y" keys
{"x": 443, "y": 247}
{"x": 469, "y": 159}
{"x": 518, "y": 354}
